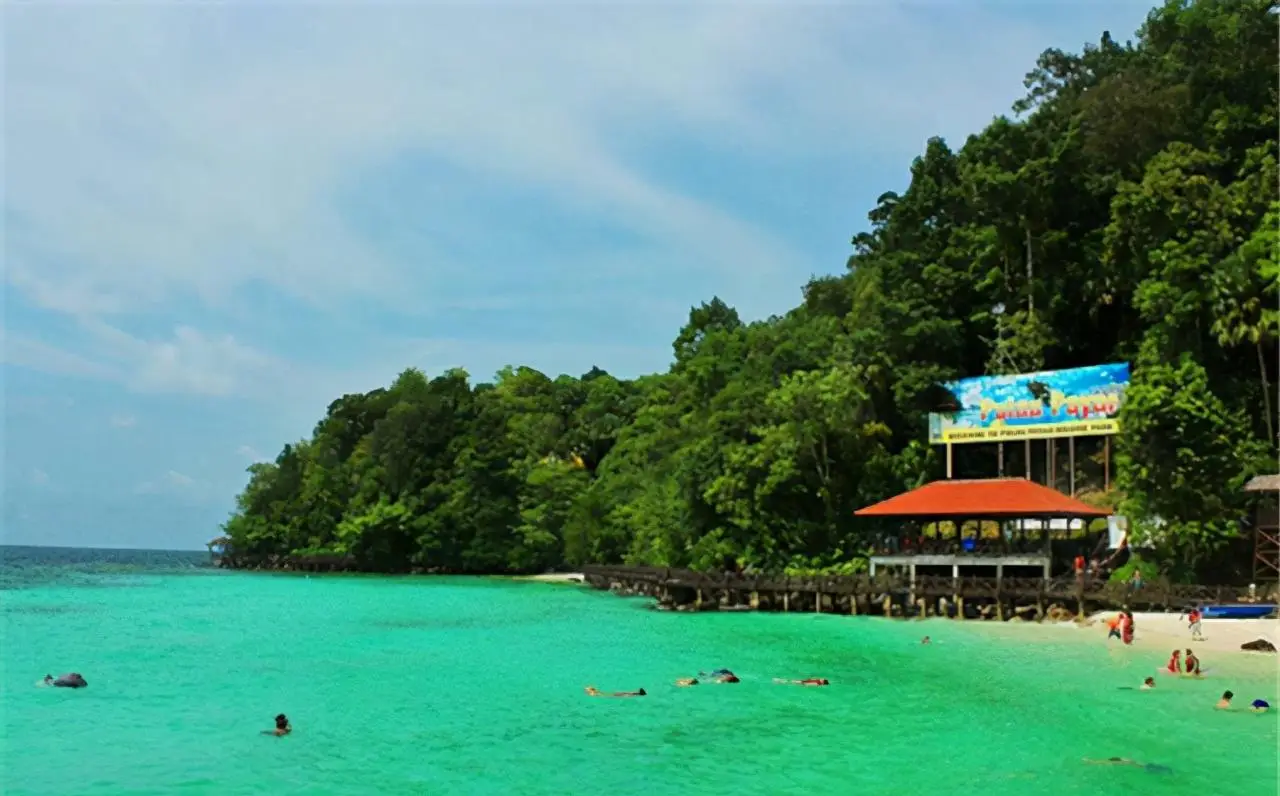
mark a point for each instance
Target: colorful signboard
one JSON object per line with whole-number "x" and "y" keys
{"x": 1078, "y": 402}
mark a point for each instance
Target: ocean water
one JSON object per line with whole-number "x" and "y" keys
{"x": 475, "y": 686}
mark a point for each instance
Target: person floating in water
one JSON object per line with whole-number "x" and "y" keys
{"x": 1259, "y": 706}
{"x": 685, "y": 682}
{"x": 1148, "y": 684}
{"x": 721, "y": 676}
{"x": 811, "y": 681}
{"x": 1174, "y": 666}
{"x": 1191, "y": 664}
{"x": 926, "y": 640}
{"x": 282, "y": 726}
{"x": 1225, "y": 702}
{"x": 596, "y": 692}
{"x": 1151, "y": 768}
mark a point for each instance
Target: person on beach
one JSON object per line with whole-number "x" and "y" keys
{"x": 596, "y": 692}
{"x": 282, "y": 726}
{"x": 1113, "y": 627}
{"x": 1225, "y": 702}
{"x": 810, "y": 681}
{"x": 1191, "y": 664}
{"x": 1193, "y": 623}
{"x": 1148, "y": 684}
{"x": 1174, "y": 666}
{"x": 1259, "y": 706}
{"x": 1126, "y": 628}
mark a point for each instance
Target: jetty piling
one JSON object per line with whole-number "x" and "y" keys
{"x": 1002, "y": 599}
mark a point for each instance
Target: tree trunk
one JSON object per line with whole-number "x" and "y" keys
{"x": 1266, "y": 394}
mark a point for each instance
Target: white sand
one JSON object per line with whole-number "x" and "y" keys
{"x": 1159, "y": 634}
{"x": 556, "y": 577}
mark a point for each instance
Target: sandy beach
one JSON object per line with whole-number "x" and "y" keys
{"x": 575, "y": 578}
{"x": 1159, "y": 634}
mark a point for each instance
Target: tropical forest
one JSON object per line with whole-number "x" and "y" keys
{"x": 1126, "y": 209}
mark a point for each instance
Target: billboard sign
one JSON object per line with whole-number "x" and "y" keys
{"x": 1078, "y": 402}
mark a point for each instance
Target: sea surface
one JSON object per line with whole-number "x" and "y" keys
{"x": 475, "y": 686}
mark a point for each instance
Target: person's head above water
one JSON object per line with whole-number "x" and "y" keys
{"x": 282, "y": 721}
{"x": 1149, "y": 681}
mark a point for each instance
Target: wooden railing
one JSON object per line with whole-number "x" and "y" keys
{"x": 685, "y": 589}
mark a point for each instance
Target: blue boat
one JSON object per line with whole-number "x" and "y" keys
{"x": 1239, "y": 611}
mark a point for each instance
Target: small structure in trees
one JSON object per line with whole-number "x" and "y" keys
{"x": 218, "y": 549}
{"x": 1266, "y": 530}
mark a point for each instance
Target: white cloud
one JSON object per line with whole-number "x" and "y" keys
{"x": 251, "y": 454}
{"x": 26, "y": 352}
{"x": 189, "y": 361}
{"x": 123, "y": 421}
{"x": 171, "y": 481}
{"x": 170, "y": 153}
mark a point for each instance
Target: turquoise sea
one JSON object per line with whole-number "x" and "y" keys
{"x": 475, "y": 686}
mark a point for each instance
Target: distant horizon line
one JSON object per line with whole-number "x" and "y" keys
{"x": 92, "y": 547}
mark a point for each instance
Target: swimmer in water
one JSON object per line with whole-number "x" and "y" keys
{"x": 1192, "y": 664}
{"x": 596, "y": 692}
{"x": 1148, "y": 684}
{"x": 1174, "y": 666}
{"x": 1151, "y": 768}
{"x": 1225, "y": 702}
{"x": 685, "y": 682}
{"x": 926, "y": 640}
{"x": 1259, "y": 706}
{"x": 282, "y": 726}
{"x": 721, "y": 676}
{"x": 811, "y": 681}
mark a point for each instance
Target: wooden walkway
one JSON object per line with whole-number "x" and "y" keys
{"x": 894, "y": 595}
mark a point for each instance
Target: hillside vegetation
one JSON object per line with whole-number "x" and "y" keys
{"x": 1127, "y": 210}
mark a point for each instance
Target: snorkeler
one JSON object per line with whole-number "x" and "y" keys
{"x": 1225, "y": 702}
{"x": 1151, "y": 768}
{"x": 812, "y": 681}
{"x": 72, "y": 680}
{"x": 721, "y": 676}
{"x": 1148, "y": 684}
{"x": 1259, "y": 706}
{"x": 282, "y": 726}
{"x": 596, "y": 692}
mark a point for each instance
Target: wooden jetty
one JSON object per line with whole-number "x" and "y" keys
{"x": 964, "y": 597}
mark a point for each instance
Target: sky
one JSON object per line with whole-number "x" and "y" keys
{"x": 219, "y": 218}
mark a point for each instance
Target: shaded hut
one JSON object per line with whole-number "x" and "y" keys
{"x": 1020, "y": 513}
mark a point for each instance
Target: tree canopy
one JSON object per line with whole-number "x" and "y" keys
{"x": 1126, "y": 210}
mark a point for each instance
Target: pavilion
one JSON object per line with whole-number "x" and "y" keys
{"x": 1009, "y": 502}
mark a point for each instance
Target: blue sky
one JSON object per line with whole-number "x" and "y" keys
{"x": 219, "y": 218}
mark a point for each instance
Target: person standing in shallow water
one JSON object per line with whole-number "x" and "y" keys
{"x": 282, "y": 726}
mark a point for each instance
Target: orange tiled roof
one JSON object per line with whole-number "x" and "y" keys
{"x": 978, "y": 499}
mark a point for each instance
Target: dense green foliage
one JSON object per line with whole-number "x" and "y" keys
{"x": 1128, "y": 211}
